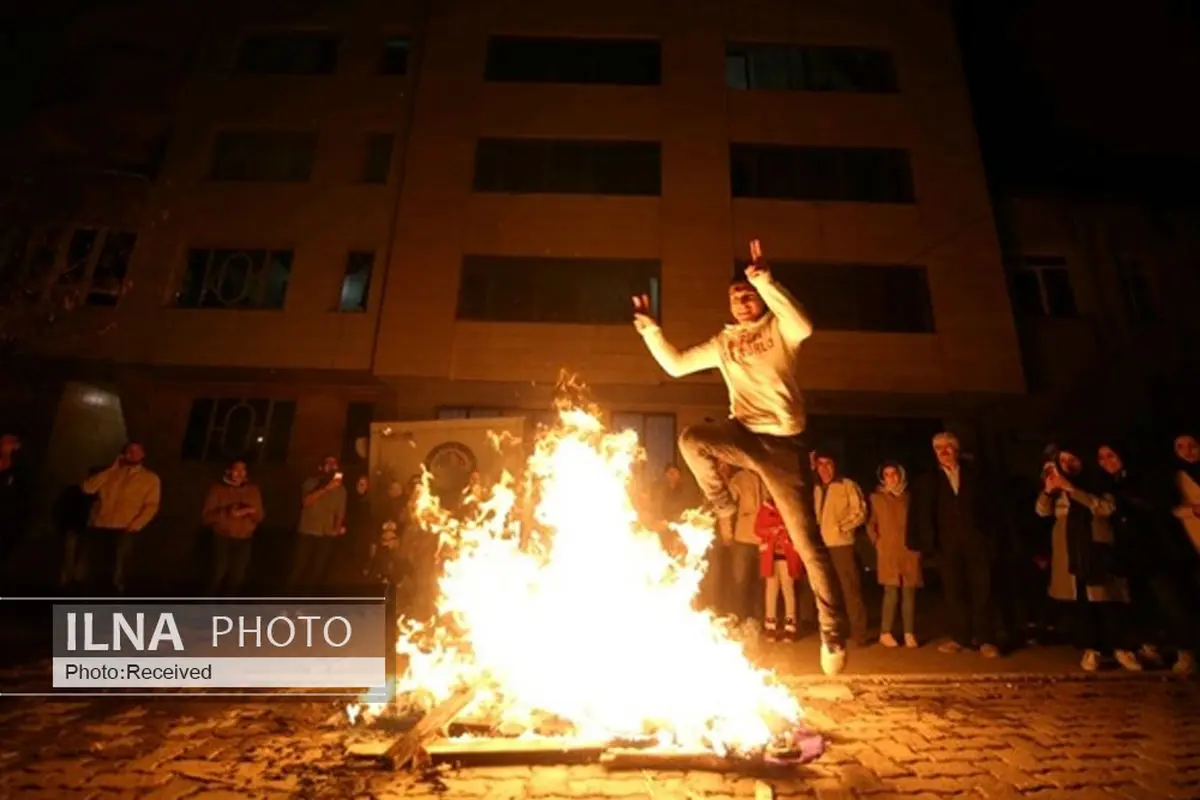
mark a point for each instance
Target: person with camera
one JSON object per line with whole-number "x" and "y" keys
{"x": 322, "y": 520}
{"x": 1085, "y": 569}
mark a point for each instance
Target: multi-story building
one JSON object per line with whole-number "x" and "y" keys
{"x": 420, "y": 209}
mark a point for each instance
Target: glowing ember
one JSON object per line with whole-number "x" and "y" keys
{"x": 591, "y": 621}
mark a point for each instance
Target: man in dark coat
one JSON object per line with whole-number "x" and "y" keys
{"x": 951, "y": 517}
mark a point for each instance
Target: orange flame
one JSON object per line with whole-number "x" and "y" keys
{"x": 594, "y": 624}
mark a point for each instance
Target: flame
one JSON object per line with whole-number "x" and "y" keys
{"x": 591, "y": 623}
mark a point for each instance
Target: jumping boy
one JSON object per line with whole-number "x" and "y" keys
{"x": 756, "y": 357}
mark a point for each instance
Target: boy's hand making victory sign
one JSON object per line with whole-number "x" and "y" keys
{"x": 641, "y": 314}
{"x": 757, "y": 268}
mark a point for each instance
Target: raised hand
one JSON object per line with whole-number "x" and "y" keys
{"x": 641, "y": 313}
{"x": 757, "y": 268}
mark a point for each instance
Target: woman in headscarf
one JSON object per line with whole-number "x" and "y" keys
{"x": 1155, "y": 555}
{"x": 1187, "y": 482}
{"x": 898, "y": 568}
{"x": 1084, "y": 568}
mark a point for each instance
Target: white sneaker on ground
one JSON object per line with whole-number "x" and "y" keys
{"x": 1090, "y": 661}
{"x": 833, "y": 658}
{"x": 887, "y": 640}
{"x": 1185, "y": 663}
{"x": 1150, "y": 655}
{"x": 911, "y": 641}
{"x": 950, "y": 646}
{"x": 1129, "y": 660}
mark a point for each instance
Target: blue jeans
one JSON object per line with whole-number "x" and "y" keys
{"x": 782, "y": 464}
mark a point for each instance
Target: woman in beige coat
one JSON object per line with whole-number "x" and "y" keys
{"x": 899, "y": 568}
{"x": 1187, "y": 481}
{"x": 1085, "y": 569}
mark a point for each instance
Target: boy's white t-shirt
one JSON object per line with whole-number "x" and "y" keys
{"x": 756, "y": 359}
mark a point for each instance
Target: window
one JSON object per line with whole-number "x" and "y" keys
{"x": 359, "y": 417}
{"x": 808, "y": 69}
{"x": 513, "y": 59}
{"x": 395, "y": 56}
{"x": 545, "y": 166}
{"x": 1135, "y": 290}
{"x": 250, "y": 429}
{"x": 291, "y": 53}
{"x": 97, "y": 260}
{"x": 656, "y": 433}
{"x": 1041, "y": 287}
{"x": 356, "y": 281}
{"x": 108, "y": 275}
{"x": 860, "y": 174}
{"x": 586, "y": 291}
{"x": 235, "y": 279}
{"x": 469, "y": 412}
{"x": 879, "y": 298}
{"x": 378, "y": 162}
{"x": 263, "y": 156}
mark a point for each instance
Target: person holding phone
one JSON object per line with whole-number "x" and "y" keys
{"x": 756, "y": 357}
{"x": 322, "y": 519}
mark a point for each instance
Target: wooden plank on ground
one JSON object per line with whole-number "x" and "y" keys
{"x": 405, "y": 748}
{"x": 497, "y": 751}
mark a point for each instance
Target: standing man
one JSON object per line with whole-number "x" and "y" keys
{"x": 952, "y": 518}
{"x": 129, "y": 498}
{"x": 322, "y": 520}
{"x": 757, "y": 359}
{"x": 233, "y": 510}
{"x": 841, "y": 511}
{"x": 742, "y": 558}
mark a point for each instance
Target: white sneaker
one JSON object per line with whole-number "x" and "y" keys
{"x": 1185, "y": 663}
{"x": 1149, "y": 654}
{"x": 1128, "y": 660}
{"x": 1091, "y": 661}
{"x": 911, "y": 641}
{"x": 833, "y": 659}
{"x": 887, "y": 640}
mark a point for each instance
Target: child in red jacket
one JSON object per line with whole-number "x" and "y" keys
{"x": 780, "y": 564}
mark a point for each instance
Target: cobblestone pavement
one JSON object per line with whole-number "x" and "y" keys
{"x": 990, "y": 738}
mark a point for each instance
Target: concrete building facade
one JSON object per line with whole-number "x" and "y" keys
{"x": 412, "y": 209}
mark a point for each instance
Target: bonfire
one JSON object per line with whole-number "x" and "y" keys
{"x": 583, "y": 623}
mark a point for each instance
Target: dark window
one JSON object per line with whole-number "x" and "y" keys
{"x": 593, "y": 291}
{"x": 79, "y": 256}
{"x": 656, "y": 433}
{"x": 378, "y": 162}
{"x": 248, "y": 429}
{"x": 290, "y": 53}
{"x": 859, "y": 297}
{"x": 395, "y": 56}
{"x": 235, "y": 279}
{"x": 548, "y": 166}
{"x": 858, "y": 174}
{"x": 612, "y": 61}
{"x": 1041, "y": 287}
{"x": 808, "y": 68}
{"x": 108, "y": 276}
{"x": 263, "y": 156}
{"x": 1135, "y": 290}
{"x": 356, "y": 281}
{"x": 359, "y": 417}
{"x": 469, "y": 412}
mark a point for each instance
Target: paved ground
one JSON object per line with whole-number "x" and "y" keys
{"x": 1028, "y": 736}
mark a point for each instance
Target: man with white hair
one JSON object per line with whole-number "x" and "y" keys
{"x": 952, "y": 519}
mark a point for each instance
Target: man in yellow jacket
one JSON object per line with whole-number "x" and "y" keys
{"x": 129, "y": 496}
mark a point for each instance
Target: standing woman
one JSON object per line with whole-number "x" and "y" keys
{"x": 898, "y": 568}
{"x": 1187, "y": 482}
{"x": 1084, "y": 568}
{"x": 1157, "y": 557}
